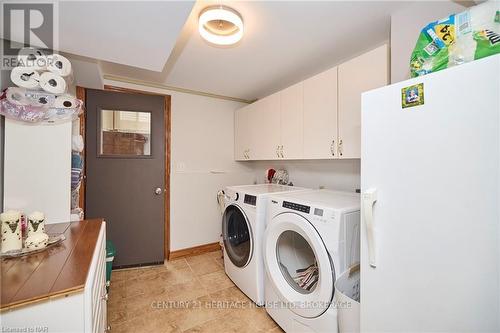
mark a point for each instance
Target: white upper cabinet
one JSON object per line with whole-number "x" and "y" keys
{"x": 239, "y": 135}
{"x": 267, "y": 123}
{"x": 320, "y": 116}
{"x": 292, "y": 117}
{"x": 364, "y": 73}
{"x": 242, "y": 133}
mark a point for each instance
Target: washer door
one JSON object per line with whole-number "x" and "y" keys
{"x": 298, "y": 265}
{"x": 237, "y": 236}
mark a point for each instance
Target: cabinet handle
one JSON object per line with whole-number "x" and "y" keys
{"x": 340, "y": 147}
{"x": 105, "y": 297}
{"x": 332, "y": 147}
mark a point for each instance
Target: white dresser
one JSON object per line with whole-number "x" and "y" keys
{"x": 62, "y": 289}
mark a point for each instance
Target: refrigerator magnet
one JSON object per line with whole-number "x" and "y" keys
{"x": 412, "y": 96}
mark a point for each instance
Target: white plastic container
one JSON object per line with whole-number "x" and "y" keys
{"x": 347, "y": 296}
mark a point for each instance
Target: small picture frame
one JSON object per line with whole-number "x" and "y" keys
{"x": 412, "y": 96}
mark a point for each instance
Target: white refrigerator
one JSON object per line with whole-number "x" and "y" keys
{"x": 430, "y": 256}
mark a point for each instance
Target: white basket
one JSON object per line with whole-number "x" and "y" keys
{"x": 347, "y": 296}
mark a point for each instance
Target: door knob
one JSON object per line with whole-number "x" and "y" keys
{"x": 158, "y": 191}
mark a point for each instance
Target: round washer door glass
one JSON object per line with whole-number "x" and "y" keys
{"x": 237, "y": 236}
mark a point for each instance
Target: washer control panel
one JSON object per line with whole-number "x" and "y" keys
{"x": 250, "y": 199}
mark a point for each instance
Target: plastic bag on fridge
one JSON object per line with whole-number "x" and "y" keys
{"x": 457, "y": 39}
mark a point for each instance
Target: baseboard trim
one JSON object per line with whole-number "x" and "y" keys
{"x": 195, "y": 250}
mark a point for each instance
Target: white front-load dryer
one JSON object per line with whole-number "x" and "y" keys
{"x": 311, "y": 238}
{"x": 243, "y": 226}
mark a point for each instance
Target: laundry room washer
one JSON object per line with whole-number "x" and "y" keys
{"x": 311, "y": 238}
{"x": 243, "y": 226}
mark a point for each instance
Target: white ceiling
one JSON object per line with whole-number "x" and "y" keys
{"x": 140, "y": 34}
{"x": 284, "y": 42}
{"x": 135, "y": 33}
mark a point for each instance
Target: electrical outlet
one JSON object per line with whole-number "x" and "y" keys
{"x": 181, "y": 166}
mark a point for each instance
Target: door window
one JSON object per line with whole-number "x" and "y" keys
{"x": 237, "y": 236}
{"x": 297, "y": 262}
{"x": 125, "y": 133}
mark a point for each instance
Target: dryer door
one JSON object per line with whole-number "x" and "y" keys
{"x": 237, "y": 236}
{"x": 298, "y": 265}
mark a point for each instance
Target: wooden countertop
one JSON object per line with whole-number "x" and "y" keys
{"x": 58, "y": 271}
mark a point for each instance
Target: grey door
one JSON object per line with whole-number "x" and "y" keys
{"x": 125, "y": 154}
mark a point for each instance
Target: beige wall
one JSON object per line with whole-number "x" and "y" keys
{"x": 405, "y": 28}
{"x": 202, "y": 163}
{"x": 342, "y": 175}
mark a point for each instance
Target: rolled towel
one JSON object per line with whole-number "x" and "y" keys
{"x": 33, "y": 58}
{"x": 25, "y": 77}
{"x": 53, "y": 83}
{"x": 17, "y": 96}
{"x": 59, "y": 65}
{"x": 77, "y": 143}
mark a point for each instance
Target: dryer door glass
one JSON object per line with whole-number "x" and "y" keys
{"x": 297, "y": 262}
{"x": 299, "y": 266}
{"x": 237, "y": 236}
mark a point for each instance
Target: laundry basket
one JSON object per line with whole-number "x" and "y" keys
{"x": 347, "y": 296}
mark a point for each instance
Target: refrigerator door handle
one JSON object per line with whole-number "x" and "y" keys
{"x": 369, "y": 199}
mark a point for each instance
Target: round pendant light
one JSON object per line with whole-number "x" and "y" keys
{"x": 220, "y": 25}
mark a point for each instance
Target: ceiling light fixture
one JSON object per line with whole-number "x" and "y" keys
{"x": 220, "y": 25}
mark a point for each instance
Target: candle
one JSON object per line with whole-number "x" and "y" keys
{"x": 11, "y": 231}
{"x": 37, "y": 240}
{"x": 36, "y": 223}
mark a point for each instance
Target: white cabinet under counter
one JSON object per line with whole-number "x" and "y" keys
{"x": 62, "y": 289}
{"x": 318, "y": 118}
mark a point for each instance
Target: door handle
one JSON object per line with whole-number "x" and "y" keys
{"x": 369, "y": 199}
{"x": 332, "y": 148}
{"x": 158, "y": 191}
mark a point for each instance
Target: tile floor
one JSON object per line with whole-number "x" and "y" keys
{"x": 184, "y": 295}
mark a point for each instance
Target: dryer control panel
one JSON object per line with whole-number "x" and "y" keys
{"x": 296, "y": 206}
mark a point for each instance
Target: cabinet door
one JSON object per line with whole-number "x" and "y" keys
{"x": 364, "y": 73}
{"x": 320, "y": 115}
{"x": 241, "y": 133}
{"x": 292, "y": 117}
{"x": 266, "y": 128}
